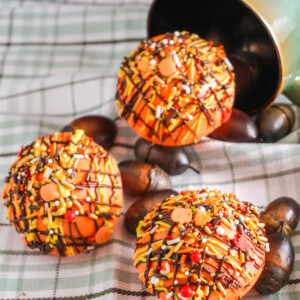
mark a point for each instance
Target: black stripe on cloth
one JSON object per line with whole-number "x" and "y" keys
{"x": 93, "y": 295}
{"x": 245, "y": 179}
{"x": 8, "y": 154}
{"x": 56, "y": 278}
{"x": 9, "y": 36}
{"x": 100, "y": 42}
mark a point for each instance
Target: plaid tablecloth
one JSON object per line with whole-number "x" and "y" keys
{"x": 58, "y": 61}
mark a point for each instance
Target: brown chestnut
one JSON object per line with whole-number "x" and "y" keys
{"x": 278, "y": 265}
{"x": 103, "y": 130}
{"x": 138, "y": 210}
{"x": 139, "y": 178}
{"x": 275, "y": 122}
{"x": 173, "y": 160}
{"x": 240, "y": 129}
{"x": 281, "y": 214}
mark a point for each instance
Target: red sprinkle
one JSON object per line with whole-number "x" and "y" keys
{"x": 70, "y": 216}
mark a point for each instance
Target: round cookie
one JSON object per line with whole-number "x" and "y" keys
{"x": 200, "y": 245}
{"x": 63, "y": 194}
{"x": 175, "y": 88}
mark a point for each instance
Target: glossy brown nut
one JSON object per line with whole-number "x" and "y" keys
{"x": 103, "y": 130}
{"x": 278, "y": 266}
{"x": 275, "y": 122}
{"x": 139, "y": 178}
{"x": 171, "y": 159}
{"x": 274, "y": 224}
{"x": 285, "y": 209}
{"x": 138, "y": 210}
{"x": 239, "y": 129}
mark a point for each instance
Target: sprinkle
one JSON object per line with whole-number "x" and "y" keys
{"x": 159, "y": 111}
{"x": 88, "y": 198}
{"x": 226, "y": 198}
{"x": 154, "y": 280}
{"x": 149, "y": 251}
{"x": 169, "y": 295}
{"x": 186, "y": 88}
{"x": 175, "y": 241}
{"x": 51, "y": 231}
{"x": 167, "y": 271}
{"x": 153, "y": 229}
{"x": 236, "y": 222}
{"x": 78, "y": 156}
{"x": 267, "y": 247}
{"x": 191, "y": 117}
{"x": 204, "y": 240}
{"x": 201, "y": 208}
{"x": 37, "y": 144}
{"x": 86, "y": 156}
{"x": 176, "y": 33}
{"x": 160, "y": 216}
{"x": 165, "y": 41}
{"x": 57, "y": 203}
{"x": 76, "y": 212}
{"x": 35, "y": 160}
{"x": 164, "y": 247}
{"x": 228, "y": 63}
{"x": 175, "y": 282}
{"x": 18, "y": 177}
{"x": 50, "y": 161}
{"x": 203, "y": 195}
{"x": 186, "y": 273}
{"x": 220, "y": 230}
{"x": 179, "y": 41}
{"x": 70, "y": 171}
{"x": 171, "y": 42}
{"x": 237, "y": 274}
{"x": 153, "y": 62}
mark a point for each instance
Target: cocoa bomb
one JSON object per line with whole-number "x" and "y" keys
{"x": 175, "y": 88}
{"x": 200, "y": 243}
{"x": 63, "y": 194}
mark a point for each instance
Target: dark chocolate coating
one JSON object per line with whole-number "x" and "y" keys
{"x": 286, "y": 209}
{"x": 240, "y": 129}
{"x": 173, "y": 160}
{"x": 275, "y": 122}
{"x": 138, "y": 210}
{"x": 139, "y": 178}
{"x": 103, "y": 130}
{"x": 279, "y": 264}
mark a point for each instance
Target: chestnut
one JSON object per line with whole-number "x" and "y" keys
{"x": 173, "y": 160}
{"x": 281, "y": 214}
{"x": 240, "y": 129}
{"x": 275, "y": 122}
{"x": 102, "y": 129}
{"x": 278, "y": 265}
{"x": 138, "y": 210}
{"x": 139, "y": 178}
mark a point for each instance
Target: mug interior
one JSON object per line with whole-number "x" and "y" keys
{"x": 246, "y": 39}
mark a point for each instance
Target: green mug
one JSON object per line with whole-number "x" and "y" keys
{"x": 261, "y": 37}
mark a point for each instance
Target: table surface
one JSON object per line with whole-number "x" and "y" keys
{"x": 59, "y": 61}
